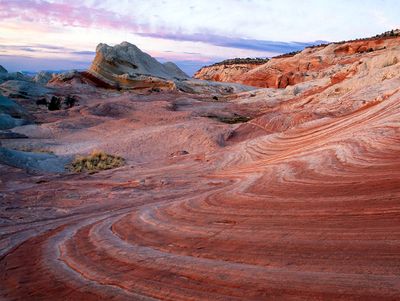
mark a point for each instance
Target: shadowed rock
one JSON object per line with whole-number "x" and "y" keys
{"x": 10, "y": 107}
{"x": 23, "y": 89}
{"x": 12, "y": 114}
{"x": 39, "y": 162}
{"x": 8, "y": 122}
{"x": 175, "y": 70}
{"x": 3, "y": 70}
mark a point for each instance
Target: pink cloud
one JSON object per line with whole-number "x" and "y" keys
{"x": 70, "y": 14}
{"x": 66, "y": 14}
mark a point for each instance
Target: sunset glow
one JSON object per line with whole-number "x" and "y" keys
{"x": 44, "y": 34}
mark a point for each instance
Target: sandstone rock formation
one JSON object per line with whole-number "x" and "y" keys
{"x": 312, "y": 63}
{"x": 172, "y": 68}
{"x": 228, "y": 70}
{"x": 5, "y": 76}
{"x": 126, "y": 66}
{"x": 12, "y": 114}
{"x": 7, "y": 106}
{"x": 224, "y": 73}
{"x": 43, "y": 77}
{"x": 300, "y": 200}
{"x": 23, "y": 89}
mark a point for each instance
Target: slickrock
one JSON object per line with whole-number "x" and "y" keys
{"x": 23, "y": 89}
{"x": 12, "y": 114}
{"x": 300, "y": 200}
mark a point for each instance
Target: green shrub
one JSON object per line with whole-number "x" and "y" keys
{"x": 96, "y": 161}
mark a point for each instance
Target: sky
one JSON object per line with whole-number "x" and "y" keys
{"x": 61, "y": 35}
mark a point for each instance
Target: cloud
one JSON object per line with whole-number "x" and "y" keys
{"x": 42, "y": 48}
{"x": 240, "y": 43}
{"x": 92, "y": 53}
{"x": 66, "y": 14}
{"x": 17, "y": 63}
{"x": 77, "y": 15}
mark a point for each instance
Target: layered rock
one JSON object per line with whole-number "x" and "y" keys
{"x": 228, "y": 70}
{"x": 299, "y": 201}
{"x": 312, "y": 63}
{"x": 126, "y": 66}
{"x": 224, "y": 73}
{"x": 23, "y": 89}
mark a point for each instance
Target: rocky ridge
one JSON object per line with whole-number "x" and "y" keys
{"x": 311, "y": 63}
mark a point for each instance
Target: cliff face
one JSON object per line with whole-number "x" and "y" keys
{"x": 311, "y": 63}
{"x": 224, "y": 73}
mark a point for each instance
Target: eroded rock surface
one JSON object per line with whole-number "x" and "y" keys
{"x": 126, "y": 66}
{"x": 314, "y": 62}
{"x": 300, "y": 202}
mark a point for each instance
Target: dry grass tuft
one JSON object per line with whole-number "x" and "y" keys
{"x": 95, "y": 162}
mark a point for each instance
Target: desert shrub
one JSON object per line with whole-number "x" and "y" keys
{"x": 41, "y": 101}
{"x": 55, "y": 104}
{"x": 236, "y": 118}
{"x": 70, "y": 101}
{"x": 96, "y": 161}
